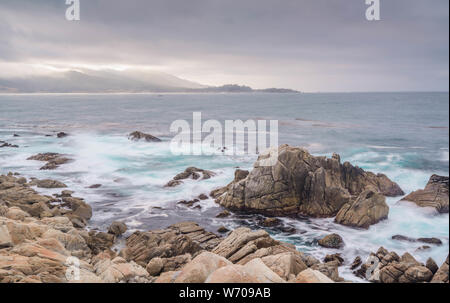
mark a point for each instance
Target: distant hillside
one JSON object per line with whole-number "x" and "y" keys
{"x": 112, "y": 81}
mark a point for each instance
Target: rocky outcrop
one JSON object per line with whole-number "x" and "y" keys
{"x": 54, "y": 160}
{"x": 16, "y": 192}
{"x": 442, "y": 275}
{"x": 300, "y": 183}
{"x": 434, "y": 195}
{"x": 6, "y": 144}
{"x": 190, "y": 173}
{"x": 178, "y": 239}
{"x": 369, "y": 208}
{"x": 387, "y": 267}
{"x": 137, "y": 135}
{"x": 312, "y": 276}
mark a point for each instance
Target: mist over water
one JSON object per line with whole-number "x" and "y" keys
{"x": 403, "y": 135}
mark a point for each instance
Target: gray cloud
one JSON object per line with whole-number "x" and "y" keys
{"x": 312, "y": 45}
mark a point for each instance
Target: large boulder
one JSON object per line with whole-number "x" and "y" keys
{"x": 300, "y": 183}
{"x": 331, "y": 241}
{"x": 434, "y": 195}
{"x": 198, "y": 270}
{"x": 369, "y": 208}
{"x": 254, "y": 271}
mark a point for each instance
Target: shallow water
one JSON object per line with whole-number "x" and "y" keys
{"x": 404, "y": 135}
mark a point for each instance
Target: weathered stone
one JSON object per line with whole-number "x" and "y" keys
{"x": 434, "y": 195}
{"x": 47, "y": 183}
{"x": 300, "y": 183}
{"x": 198, "y": 270}
{"x": 442, "y": 275}
{"x": 369, "y": 208}
{"x": 432, "y": 266}
{"x": 331, "y": 241}
{"x": 285, "y": 264}
{"x": 117, "y": 228}
{"x": 5, "y": 238}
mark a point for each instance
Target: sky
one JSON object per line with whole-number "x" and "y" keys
{"x": 307, "y": 45}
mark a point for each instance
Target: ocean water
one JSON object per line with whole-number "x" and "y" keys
{"x": 404, "y": 135}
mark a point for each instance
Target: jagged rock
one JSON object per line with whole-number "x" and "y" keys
{"x": 369, "y": 208}
{"x": 137, "y": 135}
{"x": 177, "y": 239}
{"x": 331, "y": 241}
{"x": 356, "y": 263}
{"x": 312, "y": 276}
{"x": 442, "y": 275}
{"x": 434, "y": 195}
{"x": 300, "y": 183}
{"x": 6, "y": 144}
{"x": 117, "y": 228}
{"x": 432, "y": 266}
{"x": 190, "y": 173}
{"x": 337, "y": 258}
{"x": 54, "y": 160}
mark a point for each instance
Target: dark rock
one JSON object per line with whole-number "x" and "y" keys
{"x": 270, "y": 222}
{"x": 442, "y": 275}
{"x": 54, "y": 160}
{"x": 137, "y": 135}
{"x": 62, "y": 135}
{"x": 434, "y": 241}
{"x": 223, "y": 214}
{"x": 403, "y": 238}
{"x": 356, "y": 263}
{"x": 95, "y": 186}
{"x": 432, "y": 266}
{"x": 203, "y": 197}
{"x": 223, "y": 229}
{"x": 334, "y": 258}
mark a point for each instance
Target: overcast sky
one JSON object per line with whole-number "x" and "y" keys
{"x": 309, "y": 45}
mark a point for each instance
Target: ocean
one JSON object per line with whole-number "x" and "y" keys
{"x": 403, "y": 135}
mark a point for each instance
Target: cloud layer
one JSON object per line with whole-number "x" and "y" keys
{"x": 309, "y": 45}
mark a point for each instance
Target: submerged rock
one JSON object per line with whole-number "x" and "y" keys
{"x": 137, "y": 135}
{"x": 434, "y": 195}
{"x": 54, "y": 160}
{"x": 369, "y": 208}
{"x": 300, "y": 183}
{"x": 191, "y": 173}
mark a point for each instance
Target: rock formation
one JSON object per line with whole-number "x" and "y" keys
{"x": 434, "y": 195}
{"x": 369, "y": 208}
{"x": 300, "y": 183}
{"x": 137, "y": 135}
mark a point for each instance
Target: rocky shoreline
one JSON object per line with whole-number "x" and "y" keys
{"x": 45, "y": 238}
